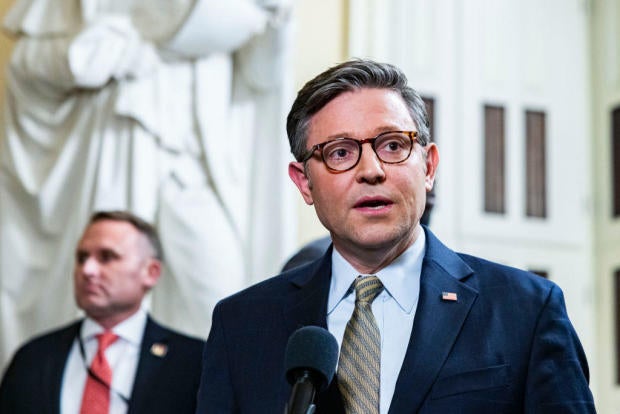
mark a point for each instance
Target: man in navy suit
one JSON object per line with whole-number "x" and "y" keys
{"x": 154, "y": 369}
{"x": 458, "y": 334}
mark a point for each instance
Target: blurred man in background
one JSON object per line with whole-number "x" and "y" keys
{"x": 117, "y": 359}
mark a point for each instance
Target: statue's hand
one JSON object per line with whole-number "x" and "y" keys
{"x": 109, "y": 48}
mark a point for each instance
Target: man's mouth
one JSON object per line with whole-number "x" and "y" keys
{"x": 374, "y": 203}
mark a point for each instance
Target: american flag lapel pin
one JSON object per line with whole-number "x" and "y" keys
{"x": 451, "y": 296}
{"x": 159, "y": 350}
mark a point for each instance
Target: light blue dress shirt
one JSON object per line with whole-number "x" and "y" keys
{"x": 394, "y": 309}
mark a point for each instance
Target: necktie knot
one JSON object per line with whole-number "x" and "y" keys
{"x": 367, "y": 288}
{"x": 106, "y": 339}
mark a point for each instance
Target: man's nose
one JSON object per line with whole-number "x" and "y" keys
{"x": 369, "y": 167}
{"x": 89, "y": 266}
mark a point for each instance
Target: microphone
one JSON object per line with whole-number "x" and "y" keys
{"x": 310, "y": 363}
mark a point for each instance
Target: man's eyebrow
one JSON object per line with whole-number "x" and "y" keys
{"x": 376, "y": 131}
{"x": 113, "y": 251}
{"x": 337, "y": 135}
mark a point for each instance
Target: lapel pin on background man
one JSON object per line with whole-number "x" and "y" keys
{"x": 117, "y": 359}
{"x": 421, "y": 329}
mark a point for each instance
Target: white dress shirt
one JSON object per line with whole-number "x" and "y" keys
{"x": 122, "y": 355}
{"x": 394, "y": 309}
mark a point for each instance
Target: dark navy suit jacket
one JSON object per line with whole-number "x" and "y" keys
{"x": 505, "y": 346}
{"x": 163, "y": 384}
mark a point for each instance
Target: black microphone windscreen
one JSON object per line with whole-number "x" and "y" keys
{"x": 313, "y": 348}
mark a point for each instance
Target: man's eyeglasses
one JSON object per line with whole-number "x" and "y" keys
{"x": 342, "y": 154}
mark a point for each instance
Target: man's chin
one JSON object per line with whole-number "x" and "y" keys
{"x": 92, "y": 307}
{"x": 374, "y": 241}
{"x": 383, "y": 240}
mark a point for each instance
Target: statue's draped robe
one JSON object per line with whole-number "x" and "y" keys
{"x": 104, "y": 110}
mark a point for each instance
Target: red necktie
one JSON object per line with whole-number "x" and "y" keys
{"x": 96, "y": 398}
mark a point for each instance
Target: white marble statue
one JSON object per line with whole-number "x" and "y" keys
{"x": 173, "y": 109}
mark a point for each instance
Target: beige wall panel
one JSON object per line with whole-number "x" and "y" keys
{"x": 320, "y": 43}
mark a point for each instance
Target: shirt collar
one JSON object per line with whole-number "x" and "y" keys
{"x": 401, "y": 278}
{"x": 131, "y": 329}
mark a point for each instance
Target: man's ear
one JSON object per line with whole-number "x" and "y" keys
{"x": 297, "y": 172}
{"x": 432, "y": 160}
{"x": 153, "y": 272}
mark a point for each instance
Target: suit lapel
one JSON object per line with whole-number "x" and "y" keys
{"x": 55, "y": 366}
{"x": 151, "y": 359}
{"x": 436, "y": 326}
{"x": 307, "y": 305}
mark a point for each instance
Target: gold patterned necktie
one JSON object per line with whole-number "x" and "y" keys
{"x": 359, "y": 366}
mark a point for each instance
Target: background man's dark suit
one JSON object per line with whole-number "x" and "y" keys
{"x": 308, "y": 253}
{"x": 164, "y": 383}
{"x": 505, "y": 346}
